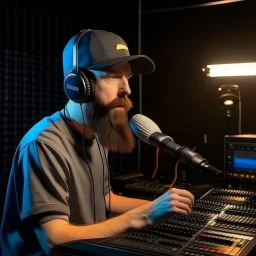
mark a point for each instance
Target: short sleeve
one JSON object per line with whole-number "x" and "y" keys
{"x": 41, "y": 181}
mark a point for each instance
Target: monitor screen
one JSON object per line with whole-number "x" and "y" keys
{"x": 244, "y": 161}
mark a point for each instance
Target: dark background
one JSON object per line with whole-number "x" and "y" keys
{"x": 181, "y": 37}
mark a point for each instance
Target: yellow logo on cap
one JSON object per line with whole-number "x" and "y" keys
{"x": 121, "y": 47}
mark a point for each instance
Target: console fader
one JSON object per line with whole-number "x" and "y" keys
{"x": 223, "y": 222}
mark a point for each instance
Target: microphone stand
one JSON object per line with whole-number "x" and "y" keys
{"x": 184, "y": 178}
{"x": 228, "y": 116}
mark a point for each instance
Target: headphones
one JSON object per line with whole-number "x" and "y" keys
{"x": 79, "y": 84}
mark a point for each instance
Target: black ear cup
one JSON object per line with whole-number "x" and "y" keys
{"x": 79, "y": 87}
{"x": 79, "y": 84}
{"x": 88, "y": 79}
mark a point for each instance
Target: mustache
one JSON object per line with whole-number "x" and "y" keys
{"x": 120, "y": 102}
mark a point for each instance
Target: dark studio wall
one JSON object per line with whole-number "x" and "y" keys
{"x": 178, "y": 96}
{"x": 32, "y": 40}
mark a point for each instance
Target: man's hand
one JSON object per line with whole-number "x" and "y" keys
{"x": 175, "y": 200}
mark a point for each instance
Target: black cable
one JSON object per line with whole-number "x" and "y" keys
{"x": 109, "y": 201}
{"x": 109, "y": 204}
{"x": 89, "y": 167}
{"x": 83, "y": 138}
{"x": 103, "y": 185}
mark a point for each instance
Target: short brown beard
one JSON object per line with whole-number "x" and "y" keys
{"x": 112, "y": 124}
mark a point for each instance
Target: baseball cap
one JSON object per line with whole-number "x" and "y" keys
{"x": 99, "y": 49}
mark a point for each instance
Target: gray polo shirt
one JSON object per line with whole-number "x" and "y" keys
{"x": 52, "y": 176}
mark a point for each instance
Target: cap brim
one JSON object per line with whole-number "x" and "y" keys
{"x": 140, "y": 64}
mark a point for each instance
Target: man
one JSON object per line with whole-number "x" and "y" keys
{"x": 59, "y": 189}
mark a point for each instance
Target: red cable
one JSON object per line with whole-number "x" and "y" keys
{"x": 156, "y": 168}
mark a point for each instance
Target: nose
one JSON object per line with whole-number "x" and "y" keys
{"x": 124, "y": 89}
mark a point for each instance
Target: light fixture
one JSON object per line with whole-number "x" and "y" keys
{"x": 229, "y": 97}
{"x": 234, "y": 69}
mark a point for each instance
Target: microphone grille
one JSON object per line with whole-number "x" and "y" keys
{"x": 143, "y": 127}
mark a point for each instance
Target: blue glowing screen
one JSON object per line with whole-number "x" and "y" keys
{"x": 244, "y": 161}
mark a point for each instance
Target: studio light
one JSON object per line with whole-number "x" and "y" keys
{"x": 229, "y": 98}
{"x": 235, "y": 69}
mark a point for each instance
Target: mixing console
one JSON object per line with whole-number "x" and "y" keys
{"x": 223, "y": 222}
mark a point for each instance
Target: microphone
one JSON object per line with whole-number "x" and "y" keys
{"x": 147, "y": 131}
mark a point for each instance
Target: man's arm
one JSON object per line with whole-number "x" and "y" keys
{"x": 177, "y": 201}
{"x": 122, "y": 204}
{"x": 60, "y": 231}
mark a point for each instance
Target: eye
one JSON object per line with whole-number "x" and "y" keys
{"x": 115, "y": 77}
{"x": 112, "y": 76}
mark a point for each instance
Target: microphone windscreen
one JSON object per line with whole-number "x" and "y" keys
{"x": 143, "y": 127}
